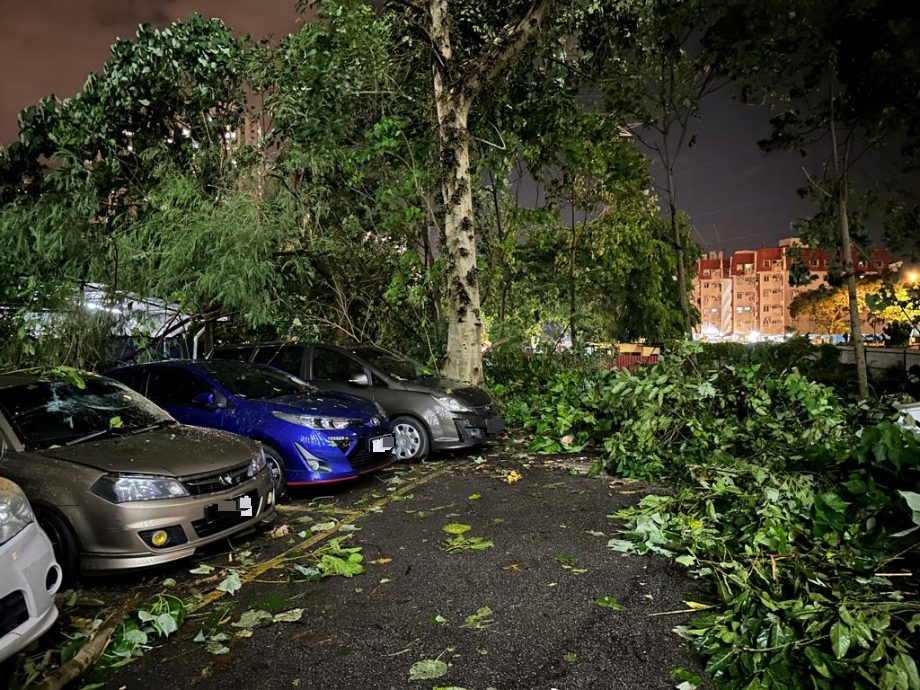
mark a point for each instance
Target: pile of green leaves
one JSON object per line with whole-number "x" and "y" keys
{"x": 159, "y": 618}
{"x": 803, "y": 522}
{"x": 559, "y": 397}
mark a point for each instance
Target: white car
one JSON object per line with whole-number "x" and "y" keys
{"x": 29, "y": 575}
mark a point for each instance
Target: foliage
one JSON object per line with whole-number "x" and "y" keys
{"x": 457, "y": 541}
{"x": 558, "y": 396}
{"x": 792, "y": 515}
{"x": 160, "y": 618}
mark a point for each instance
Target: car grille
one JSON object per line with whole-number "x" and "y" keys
{"x": 201, "y": 484}
{"x": 486, "y": 410}
{"x": 215, "y": 521}
{"x": 13, "y": 611}
{"x": 364, "y": 460}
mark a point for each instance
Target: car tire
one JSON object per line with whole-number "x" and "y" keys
{"x": 63, "y": 541}
{"x": 279, "y": 472}
{"x": 412, "y": 440}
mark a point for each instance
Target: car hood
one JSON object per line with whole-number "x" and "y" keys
{"x": 464, "y": 392}
{"x": 327, "y": 404}
{"x": 173, "y": 451}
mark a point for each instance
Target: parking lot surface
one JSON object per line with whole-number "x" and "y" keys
{"x": 432, "y": 607}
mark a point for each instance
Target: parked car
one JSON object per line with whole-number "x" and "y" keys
{"x": 29, "y": 575}
{"x": 308, "y": 437}
{"x": 428, "y": 412}
{"x": 116, "y": 482}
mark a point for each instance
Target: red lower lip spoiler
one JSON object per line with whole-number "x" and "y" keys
{"x": 342, "y": 479}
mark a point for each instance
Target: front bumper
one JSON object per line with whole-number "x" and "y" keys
{"x": 116, "y": 538}
{"x": 468, "y": 430}
{"x": 316, "y": 460}
{"x": 29, "y": 577}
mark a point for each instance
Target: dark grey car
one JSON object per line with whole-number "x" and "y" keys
{"x": 428, "y": 412}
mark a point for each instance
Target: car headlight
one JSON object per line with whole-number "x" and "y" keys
{"x": 256, "y": 464}
{"x": 314, "y": 421}
{"x": 123, "y": 489}
{"x": 451, "y": 404}
{"x": 15, "y": 513}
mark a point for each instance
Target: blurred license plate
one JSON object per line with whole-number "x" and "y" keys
{"x": 381, "y": 444}
{"x": 240, "y": 504}
{"x": 493, "y": 426}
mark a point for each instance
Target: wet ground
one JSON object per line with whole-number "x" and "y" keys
{"x": 520, "y": 613}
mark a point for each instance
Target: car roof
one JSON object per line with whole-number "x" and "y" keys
{"x": 205, "y": 365}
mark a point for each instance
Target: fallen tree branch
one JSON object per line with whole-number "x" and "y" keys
{"x": 88, "y": 653}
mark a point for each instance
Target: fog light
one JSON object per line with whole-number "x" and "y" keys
{"x": 271, "y": 497}
{"x": 159, "y": 538}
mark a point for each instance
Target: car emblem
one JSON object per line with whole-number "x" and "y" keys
{"x": 375, "y": 421}
{"x": 225, "y": 480}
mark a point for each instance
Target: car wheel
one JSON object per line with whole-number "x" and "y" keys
{"x": 63, "y": 541}
{"x": 412, "y": 442}
{"x": 279, "y": 472}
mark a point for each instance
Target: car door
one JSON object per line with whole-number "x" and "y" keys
{"x": 175, "y": 390}
{"x": 332, "y": 370}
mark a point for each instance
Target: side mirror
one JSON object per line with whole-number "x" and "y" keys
{"x": 361, "y": 379}
{"x": 206, "y": 400}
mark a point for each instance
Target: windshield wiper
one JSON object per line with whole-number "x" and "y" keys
{"x": 89, "y": 437}
{"x": 151, "y": 427}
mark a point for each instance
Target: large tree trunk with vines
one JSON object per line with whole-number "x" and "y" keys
{"x": 464, "y": 333}
{"x": 452, "y": 105}
{"x": 455, "y": 87}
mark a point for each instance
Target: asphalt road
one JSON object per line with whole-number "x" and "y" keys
{"x": 411, "y": 604}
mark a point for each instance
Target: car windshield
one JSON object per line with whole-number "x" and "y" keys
{"x": 255, "y": 382}
{"x": 51, "y": 413}
{"x": 395, "y": 366}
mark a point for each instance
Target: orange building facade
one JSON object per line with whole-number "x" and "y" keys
{"x": 747, "y": 296}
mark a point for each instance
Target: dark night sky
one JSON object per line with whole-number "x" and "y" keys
{"x": 736, "y": 195}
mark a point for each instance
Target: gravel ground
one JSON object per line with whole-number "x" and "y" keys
{"x": 544, "y": 631}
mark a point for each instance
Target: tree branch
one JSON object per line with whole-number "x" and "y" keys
{"x": 506, "y": 47}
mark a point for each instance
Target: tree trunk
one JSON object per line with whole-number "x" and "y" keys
{"x": 678, "y": 240}
{"x": 859, "y": 350}
{"x": 464, "y": 328}
{"x": 573, "y": 315}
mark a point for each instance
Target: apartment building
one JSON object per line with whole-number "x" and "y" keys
{"x": 747, "y": 295}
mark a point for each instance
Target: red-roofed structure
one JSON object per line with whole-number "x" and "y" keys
{"x": 747, "y": 295}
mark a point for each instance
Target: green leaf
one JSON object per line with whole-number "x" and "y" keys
{"x": 202, "y": 569}
{"x": 607, "y": 603}
{"x": 291, "y": 616}
{"x": 427, "y": 669}
{"x": 456, "y": 528}
{"x": 230, "y": 584}
{"x": 570, "y": 657}
{"x": 252, "y": 618}
{"x": 479, "y": 620}
{"x": 621, "y": 545}
{"x": 686, "y": 559}
{"x": 840, "y": 639}
{"x": 217, "y": 648}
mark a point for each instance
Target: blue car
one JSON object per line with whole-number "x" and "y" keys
{"x": 309, "y": 437}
